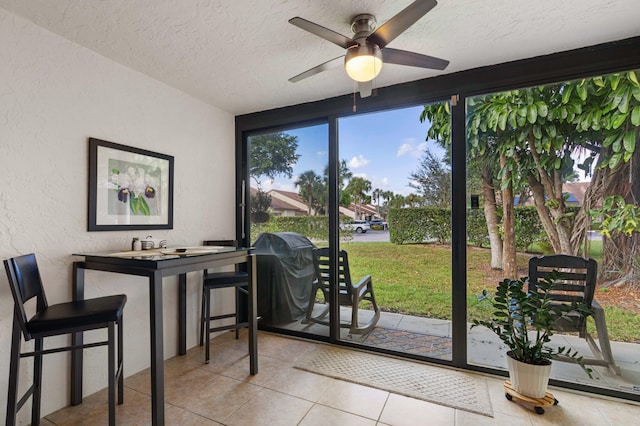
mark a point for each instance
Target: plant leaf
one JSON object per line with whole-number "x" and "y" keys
{"x": 630, "y": 141}
{"x": 635, "y": 116}
{"x": 532, "y": 114}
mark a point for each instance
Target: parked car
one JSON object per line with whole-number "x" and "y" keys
{"x": 359, "y": 226}
{"x": 378, "y": 224}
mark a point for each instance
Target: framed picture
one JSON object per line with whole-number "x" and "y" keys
{"x": 129, "y": 188}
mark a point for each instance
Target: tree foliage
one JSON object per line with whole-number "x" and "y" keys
{"x": 536, "y": 131}
{"x": 272, "y": 154}
{"x": 311, "y": 188}
{"x": 358, "y": 187}
{"x": 433, "y": 180}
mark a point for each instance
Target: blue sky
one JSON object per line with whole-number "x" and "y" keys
{"x": 383, "y": 147}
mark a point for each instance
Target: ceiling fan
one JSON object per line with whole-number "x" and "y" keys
{"x": 367, "y": 50}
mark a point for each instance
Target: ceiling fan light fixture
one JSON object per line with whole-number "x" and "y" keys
{"x": 364, "y": 62}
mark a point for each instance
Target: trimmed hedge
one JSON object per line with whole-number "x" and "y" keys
{"x": 312, "y": 227}
{"x": 431, "y": 224}
{"x": 417, "y": 225}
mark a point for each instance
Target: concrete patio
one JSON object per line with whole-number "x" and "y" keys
{"x": 487, "y": 350}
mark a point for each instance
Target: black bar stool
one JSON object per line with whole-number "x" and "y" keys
{"x": 54, "y": 320}
{"x": 237, "y": 279}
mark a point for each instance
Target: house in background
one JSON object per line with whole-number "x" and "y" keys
{"x": 287, "y": 203}
{"x": 574, "y": 192}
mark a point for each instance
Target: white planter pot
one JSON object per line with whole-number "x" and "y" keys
{"x": 528, "y": 379}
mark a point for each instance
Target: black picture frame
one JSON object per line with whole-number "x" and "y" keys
{"x": 129, "y": 188}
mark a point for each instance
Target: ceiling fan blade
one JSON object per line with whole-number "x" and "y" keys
{"x": 400, "y": 22}
{"x": 365, "y": 88}
{"x": 403, "y": 57}
{"x": 322, "y": 32}
{"x": 333, "y": 63}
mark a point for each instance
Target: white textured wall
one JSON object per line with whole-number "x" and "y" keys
{"x": 54, "y": 95}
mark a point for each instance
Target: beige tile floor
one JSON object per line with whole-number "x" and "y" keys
{"x": 223, "y": 392}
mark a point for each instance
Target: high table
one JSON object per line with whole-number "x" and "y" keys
{"x": 155, "y": 265}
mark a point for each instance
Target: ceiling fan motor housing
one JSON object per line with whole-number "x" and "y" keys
{"x": 363, "y": 25}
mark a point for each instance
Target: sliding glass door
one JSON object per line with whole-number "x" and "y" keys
{"x": 288, "y": 204}
{"x": 395, "y": 221}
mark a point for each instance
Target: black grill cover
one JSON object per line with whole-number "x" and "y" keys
{"x": 285, "y": 276}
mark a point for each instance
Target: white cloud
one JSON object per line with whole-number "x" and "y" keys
{"x": 358, "y": 162}
{"x": 413, "y": 150}
{"x": 404, "y": 148}
{"x": 381, "y": 183}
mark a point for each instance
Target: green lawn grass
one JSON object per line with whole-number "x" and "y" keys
{"x": 415, "y": 279}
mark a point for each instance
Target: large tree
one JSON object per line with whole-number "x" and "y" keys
{"x": 271, "y": 155}
{"x": 482, "y": 157}
{"x": 433, "y": 180}
{"x": 611, "y": 109}
{"x": 535, "y": 132}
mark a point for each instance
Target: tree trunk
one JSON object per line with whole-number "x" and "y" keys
{"x": 491, "y": 217}
{"x": 621, "y": 253}
{"x": 547, "y": 223}
{"x": 582, "y": 224}
{"x": 550, "y": 204}
{"x": 510, "y": 267}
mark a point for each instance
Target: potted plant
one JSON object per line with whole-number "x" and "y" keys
{"x": 260, "y": 204}
{"x": 524, "y": 321}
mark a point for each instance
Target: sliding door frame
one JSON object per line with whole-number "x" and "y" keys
{"x": 569, "y": 65}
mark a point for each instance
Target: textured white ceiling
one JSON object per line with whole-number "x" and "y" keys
{"x": 238, "y": 55}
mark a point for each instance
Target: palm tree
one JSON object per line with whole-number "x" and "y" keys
{"x": 307, "y": 181}
{"x": 358, "y": 188}
{"x": 377, "y": 194}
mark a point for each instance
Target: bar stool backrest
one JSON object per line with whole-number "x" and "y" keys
{"x": 25, "y": 283}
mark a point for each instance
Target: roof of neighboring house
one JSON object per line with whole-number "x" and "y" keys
{"x": 366, "y": 209}
{"x": 285, "y": 200}
{"x": 288, "y": 200}
{"x": 576, "y": 191}
{"x": 283, "y": 195}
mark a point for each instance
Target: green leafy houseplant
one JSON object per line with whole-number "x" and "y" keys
{"x": 524, "y": 321}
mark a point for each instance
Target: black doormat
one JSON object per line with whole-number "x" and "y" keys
{"x": 410, "y": 342}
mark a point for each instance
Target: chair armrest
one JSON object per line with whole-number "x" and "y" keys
{"x": 363, "y": 282}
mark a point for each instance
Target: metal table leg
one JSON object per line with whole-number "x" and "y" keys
{"x": 182, "y": 314}
{"x": 157, "y": 349}
{"x": 253, "y": 309}
{"x": 77, "y": 338}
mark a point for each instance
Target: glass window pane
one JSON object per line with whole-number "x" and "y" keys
{"x": 395, "y": 195}
{"x": 554, "y": 170}
{"x": 288, "y": 214}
